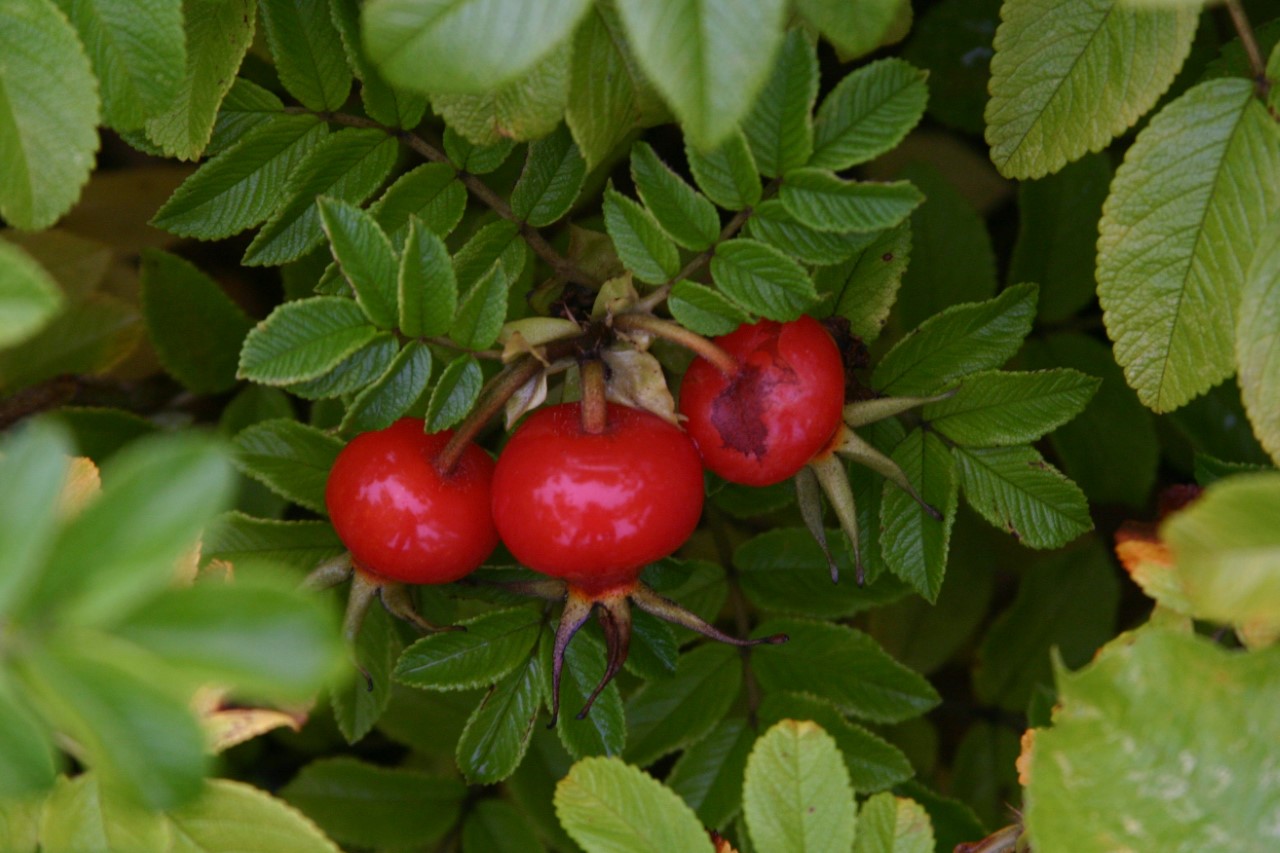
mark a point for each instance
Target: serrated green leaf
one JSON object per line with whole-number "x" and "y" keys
{"x": 496, "y": 826}
{"x": 985, "y": 768}
{"x": 771, "y": 223}
{"x": 708, "y": 776}
{"x": 218, "y": 34}
{"x": 233, "y": 815}
{"x": 30, "y": 761}
{"x": 365, "y": 256}
{"x": 464, "y": 46}
{"x": 962, "y": 339}
{"x": 347, "y": 165}
{"x": 383, "y": 102}
{"x": 455, "y": 393}
{"x": 864, "y": 287}
{"x": 641, "y": 244}
{"x": 291, "y": 458}
{"x": 712, "y": 73}
{"x": 367, "y": 805}
{"x": 245, "y": 106}
{"x": 1223, "y": 551}
{"x": 89, "y": 336}
{"x": 141, "y": 737}
{"x": 493, "y": 645}
{"x": 784, "y": 571}
{"x": 994, "y": 408}
{"x": 357, "y": 706}
{"x": 682, "y": 212}
{"x": 100, "y": 432}
{"x": 873, "y": 763}
{"x": 868, "y": 113}
{"x": 29, "y": 297}
{"x": 237, "y": 537}
{"x": 726, "y": 174}
{"x": 1258, "y": 363}
{"x": 779, "y": 127}
{"x": 157, "y": 495}
{"x": 653, "y": 647}
{"x": 796, "y": 795}
{"x": 353, "y": 374}
{"x": 1120, "y": 767}
{"x": 762, "y": 279}
{"x": 395, "y": 393}
{"x": 215, "y": 633}
{"x": 194, "y": 326}
{"x": 1068, "y": 76}
{"x": 855, "y": 27}
{"x": 608, "y": 805}
{"x": 496, "y": 243}
{"x": 308, "y": 52}
{"x": 304, "y": 340}
{"x": 1195, "y": 195}
{"x": 431, "y": 192}
{"x": 552, "y": 178}
{"x": 844, "y": 666}
{"x": 703, "y": 310}
{"x": 953, "y": 821}
{"x": 37, "y": 456}
{"x": 1017, "y": 491}
{"x": 20, "y": 823}
{"x": 604, "y": 730}
{"x": 526, "y": 108}
{"x": 952, "y": 39}
{"x": 426, "y": 286}
{"x": 241, "y": 186}
{"x": 48, "y": 115}
{"x": 497, "y": 733}
{"x": 474, "y": 157}
{"x": 1057, "y": 240}
{"x": 913, "y": 542}
{"x": 949, "y": 242}
{"x": 82, "y": 814}
{"x": 824, "y": 202}
{"x": 482, "y": 311}
{"x": 668, "y": 715}
{"x": 137, "y": 52}
{"x": 889, "y": 824}
{"x": 608, "y": 94}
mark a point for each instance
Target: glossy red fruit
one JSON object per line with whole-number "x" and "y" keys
{"x": 403, "y": 520}
{"x": 594, "y": 509}
{"x": 781, "y": 408}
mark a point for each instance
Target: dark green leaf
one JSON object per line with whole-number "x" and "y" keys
{"x": 454, "y": 394}
{"x": 371, "y": 806}
{"x": 495, "y": 826}
{"x": 98, "y": 432}
{"x": 653, "y": 647}
{"x": 89, "y": 336}
{"x": 914, "y": 543}
{"x": 394, "y": 394}
{"x": 668, "y": 715}
{"x": 873, "y": 764}
{"x": 498, "y": 242}
{"x": 962, "y": 339}
{"x": 383, "y": 102}
{"x": 528, "y": 107}
{"x": 762, "y": 279}
{"x": 952, "y": 39}
{"x": 28, "y": 760}
{"x": 868, "y": 113}
{"x": 356, "y": 707}
{"x": 996, "y": 408}
{"x": 292, "y": 459}
{"x": 497, "y": 734}
{"x": 218, "y": 35}
{"x": 365, "y": 256}
{"x": 984, "y": 770}
{"x": 1017, "y": 491}
{"x": 428, "y": 290}
{"x": 431, "y": 192}
{"x": 354, "y": 373}
{"x": 682, "y": 212}
{"x": 347, "y": 165}
{"x": 482, "y": 311}
{"x": 855, "y": 27}
{"x": 604, "y": 731}
{"x": 304, "y": 340}
{"x": 708, "y": 776}
{"x": 703, "y": 310}
{"x": 237, "y": 537}
{"x": 641, "y": 244}
{"x": 553, "y": 174}
{"x": 194, "y": 326}
{"x": 246, "y": 106}
{"x": 825, "y": 202}
{"x": 474, "y": 158}
{"x": 953, "y": 821}
{"x": 48, "y": 116}
{"x": 29, "y": 296}
{"x": 779, "y": 127}
{"x": 842, "y": 665}
{"x": 243, "y": 184}
{"x": 37, "y": 457}
{"x": 864, "y": 288}
{"x": 728, "y": 174}
{"x": 492, "y": 645}
{"x": 308, "y": 52}
{"x": 1068, "y": 603}
{"x": 771, "y": 223}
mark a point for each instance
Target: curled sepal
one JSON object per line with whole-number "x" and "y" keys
{"x": 666, "y": 609}
{"x": 577, "y": 609}
{"x": 853, "y": 446}
{"x": 835, "y": 484}
{"x": 614, "y": 614}
{"x": 809, "y": 497}
{"x": 866, "y": 412}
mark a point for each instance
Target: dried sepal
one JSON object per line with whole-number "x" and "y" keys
{"x": 835, "y": 485}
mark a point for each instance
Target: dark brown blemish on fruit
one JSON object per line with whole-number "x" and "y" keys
{"x": 737, "y": 413}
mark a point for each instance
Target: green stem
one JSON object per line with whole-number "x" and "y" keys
{"x": 1257, "y": 64}
{"x": 492, "y": 399}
